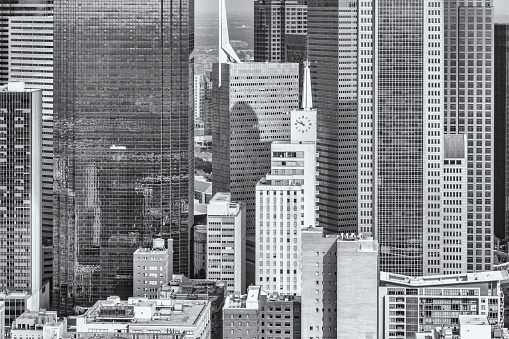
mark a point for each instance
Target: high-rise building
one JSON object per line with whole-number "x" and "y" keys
{"x": 250, "y": 111}
{"x": 342, "y": 130}
{"x": 21, "y": 191}
{"x": 30, "y": 52}
{"x": 501, "y": 132}
{"x": 226, "y": 242}
{"x": 14, "y": 8}
{"x": 152, "y": 267}
{"x": 381, "y": 142}
{"x": 285, "y": 202}
{"x": 280, "y": 28}
{"x": 468, "y": 108}
{"x": 123, "y": 122}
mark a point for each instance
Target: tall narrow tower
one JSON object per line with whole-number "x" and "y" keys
{"x": 469, "y": 37}
{"x": 20, "y": 190}
{"x": 123, "y": 141}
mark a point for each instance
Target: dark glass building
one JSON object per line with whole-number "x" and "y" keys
{"x": 123, "y": 141}
{"x": 501, "y": 85}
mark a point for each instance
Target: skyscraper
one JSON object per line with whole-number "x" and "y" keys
{"x": 250, "y": 110}
{"x": 280, "y": 30}
{"x": 20, "y": 190}
{"x": 469, "y": 54}
{"x": 31, "y": 61}
{"x": 123, "y": 141}
{"x": 378, "y": 77}
{"x": 13, "y": 8}
{"x": 285, "y": 202}
{"x": 501, "y": 133}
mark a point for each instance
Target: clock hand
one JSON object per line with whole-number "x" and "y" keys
{"x": 300, "y": 122}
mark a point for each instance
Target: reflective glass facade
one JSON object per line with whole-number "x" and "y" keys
{"x": 469, "y": 55}
{"x": 333, "y": 53}
{"x": 400, "y": 135}
{"x": 123, "y": 141}
{"x": 501, "y": 147}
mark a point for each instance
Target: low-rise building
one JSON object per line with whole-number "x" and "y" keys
{"x": 469, "y": 327}
{"x": 182, "y": 288}
{"x": 16, "y": 303}
{"x": 37, "y": 325}
{"x": 152, "y": 267}
{"x": 408, "y": 305}
{"x": 143, "y": 316}
{"x": 259, "y": 314}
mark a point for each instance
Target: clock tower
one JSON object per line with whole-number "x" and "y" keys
{"x": 303, "y": 120}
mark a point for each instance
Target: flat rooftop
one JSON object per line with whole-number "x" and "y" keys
{"x": 221, "y": 196}
{"x": 150, "y": 251}
{"x": 474, "y": 320}
{"x": 438, "y": 280}
{"x": 167, "y": 312}
{"x": 37, "y": 314}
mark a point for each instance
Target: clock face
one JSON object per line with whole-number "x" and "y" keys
{"x": 302, "y": 124}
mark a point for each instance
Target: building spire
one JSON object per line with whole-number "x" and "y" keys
{"x": 307, "y": 100}
{"x": 226, "y": 53}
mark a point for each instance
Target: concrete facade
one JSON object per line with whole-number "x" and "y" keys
{"x": 357, "y": 301}
{"x": 152, "y": 268}
{"x": 319, "y": 285}
{"x": 474, "y": 327}
{"x": 226, "y": 242}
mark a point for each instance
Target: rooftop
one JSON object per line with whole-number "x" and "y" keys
{"x": 14, "y": 295}
{"x": 203, "y": 186}
{"x": 163, "y": 311}
{"x": 221, "y": 196}
{"x": 471, "y": 320}
{"x": 180, "y": 285}
{"x": 34, "y": 319}
{"x": 444, "y": 279}
{"x": 150, "y": 251}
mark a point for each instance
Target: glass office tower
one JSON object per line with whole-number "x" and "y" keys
{"x": 123, "y": 141}
{"x": 15, "y": 8}
{"x": 469, "y": 37}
